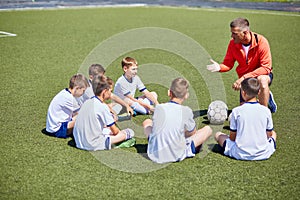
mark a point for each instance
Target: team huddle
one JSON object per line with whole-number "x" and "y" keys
{"x": 83, "y": 111}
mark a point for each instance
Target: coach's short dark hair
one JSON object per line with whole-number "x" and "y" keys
{"x": 242, "y": 23}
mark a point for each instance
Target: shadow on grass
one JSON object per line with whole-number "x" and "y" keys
{"x": 47, "y": 133}
{"x": 72, "y": 143}
{"x": 142, "y": 150}
{"x": 199, "y": 113}
{"x": 216, "y": 148}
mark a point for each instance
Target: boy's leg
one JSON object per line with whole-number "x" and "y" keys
{"x": 71, "y": 125}
{"x": 122, "y": 135}
{"x": 220, "y": 138}
{"x": 147, "y": 124}
{"x": 148, "y": 101}
{"x": 136, "y": 106}
{"x": 201, "y": 135}
{"x": 139, "y": 108}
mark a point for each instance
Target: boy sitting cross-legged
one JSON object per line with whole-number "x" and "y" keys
{"x": 172, "y": 135}
{"x": 95, "y": 118}
{"x": 63, "y": 108}
{"x": 251, "y": 127}
{"x": 127, "y": 84}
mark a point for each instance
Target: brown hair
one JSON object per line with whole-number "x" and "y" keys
{"x": 250, "y": 86}
{"x": 99, "y": 84}
{"x": 128, "y": 62}
{"x": 179, "y": 87}
{"x": 96, "y": 69}
{"x": 78, "y": 80}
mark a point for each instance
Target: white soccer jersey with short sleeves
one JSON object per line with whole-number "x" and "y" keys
{"x": 60, "y": 110}
{"x": 167, "y": 142}
{"x": 251, "y": 121}
{"x": 124, "y": 87}
{"x": 92, "y": 118}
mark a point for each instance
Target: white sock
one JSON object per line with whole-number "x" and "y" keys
{"x": 129, "y": 133}
{"x": 139, "y": 108}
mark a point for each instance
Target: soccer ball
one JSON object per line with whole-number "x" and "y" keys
{"x": 217, "y": 112}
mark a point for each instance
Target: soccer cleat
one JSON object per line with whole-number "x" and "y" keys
{"x": 126, "y": 143}
{"x": 272, "y": 104}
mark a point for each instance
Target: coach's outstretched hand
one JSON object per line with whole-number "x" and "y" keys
{"x": 215, "y": 67}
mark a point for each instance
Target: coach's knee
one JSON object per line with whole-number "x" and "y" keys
{"x": 264, "y": 81}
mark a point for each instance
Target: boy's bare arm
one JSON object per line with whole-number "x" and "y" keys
{"x": 190, "y": 133}
{"x": 232, "y": 136}
{"x": 269, "y": 134}
{"x": 114, "y": 129}
{"x": 123, "y": 103}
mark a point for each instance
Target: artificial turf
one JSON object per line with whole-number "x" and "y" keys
{"x": 51, "y": 46}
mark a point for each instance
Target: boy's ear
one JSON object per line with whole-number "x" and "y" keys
{"x": 102, "y": 93}
{"x": 169, "y": 93}
{"x": 186, "y": 96}
{"x": 243, "y": 93}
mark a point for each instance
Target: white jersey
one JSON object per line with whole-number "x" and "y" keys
{"x": 125, "y": 87}
{"x": 251, "y": 121}
{"x": 60, "y": 110}
{"x": 88, "y": 93}
{"x": 167, "y": 142}
{"x": 92, "y": 118}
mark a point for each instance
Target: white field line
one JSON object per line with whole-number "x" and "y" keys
{"x": 6, "y": 34}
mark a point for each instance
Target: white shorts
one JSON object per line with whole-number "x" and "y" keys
{"x": 232, "y": 150}
{"x": 190, "y": 150}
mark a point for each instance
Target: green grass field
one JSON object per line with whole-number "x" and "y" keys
{"x": 51, "y": 46}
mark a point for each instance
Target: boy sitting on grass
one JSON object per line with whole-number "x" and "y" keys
{"x": 251, "y": 127}
{"x": 95, "y": 70}
{"x": 95, "y": 127}
{"x": 63, "y": 108}
{"x": 127, "y": 84}
{"x": 172, "y": 135}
